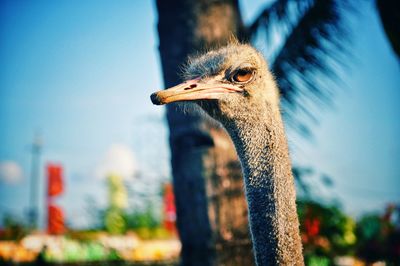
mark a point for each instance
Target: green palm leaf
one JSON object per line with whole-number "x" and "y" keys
{"x": 311, "y": 54}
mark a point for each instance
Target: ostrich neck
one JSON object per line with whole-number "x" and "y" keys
{"x": 263, "y": 151}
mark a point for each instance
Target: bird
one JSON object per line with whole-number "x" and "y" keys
{"x": 234, "y": 86}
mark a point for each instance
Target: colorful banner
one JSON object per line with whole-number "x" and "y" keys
{"x": 169, "y": 208}
{"x": 55, "y": 187}
{"x": 54, "y": 180}
{"x": 55, "y": 220}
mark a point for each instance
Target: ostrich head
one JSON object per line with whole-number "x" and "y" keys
{"x": 230, "y": 84}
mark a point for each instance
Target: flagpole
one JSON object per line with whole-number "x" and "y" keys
{"x": 34, "y": 184}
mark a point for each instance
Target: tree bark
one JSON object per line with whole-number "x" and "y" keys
{"x": 208, "y": 186}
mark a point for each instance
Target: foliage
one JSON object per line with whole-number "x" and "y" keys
{"x": 153, "y": 233}
{"x": 313, "y": 46}
{"x": 75, "y": 251}
{"x": 389, "y": 12}
{"x": 14, "y": 229}
{"x": 145, "y": 219}
{"x": 83, "y": 235}
{"x": 326, "y": 232}
{"x": 114, "y": 221}
{"x": 118, "y": 221}
{"x": 379, "y": 236}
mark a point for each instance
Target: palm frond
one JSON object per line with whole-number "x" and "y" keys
{"x": 389, "y": 12}
{"x": 282, "y": 12}
{"x": 312, "y": 53}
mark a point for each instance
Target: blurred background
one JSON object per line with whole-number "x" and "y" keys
{"x": 85, "y": 158}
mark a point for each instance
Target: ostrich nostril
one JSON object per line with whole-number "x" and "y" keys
{"x": 192, "y": 86}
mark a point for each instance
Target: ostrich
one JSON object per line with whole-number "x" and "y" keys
{"x": 234, "y": 86}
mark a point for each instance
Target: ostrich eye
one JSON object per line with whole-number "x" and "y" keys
{"x": 242, "y": 75}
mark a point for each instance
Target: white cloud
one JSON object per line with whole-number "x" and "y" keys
{"x": 10, "y": 172}
{"x": 118, "y": 160}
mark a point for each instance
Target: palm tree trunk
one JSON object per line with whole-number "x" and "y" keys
{"x": 211, "y": 208}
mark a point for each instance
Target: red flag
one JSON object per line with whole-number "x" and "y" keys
{"x": 55, "y": 182}
{"x": 55, "y": 220}
{"x": 169, "y": 208}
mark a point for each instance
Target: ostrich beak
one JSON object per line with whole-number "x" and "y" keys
{"x": 194, "y": 89}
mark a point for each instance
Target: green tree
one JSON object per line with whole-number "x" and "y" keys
{"x": 14, "y": 229}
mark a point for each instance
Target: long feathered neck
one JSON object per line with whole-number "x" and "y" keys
{"x": 263, "y": 151}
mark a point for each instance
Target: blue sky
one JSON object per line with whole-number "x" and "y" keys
{"x": 80, "y": 74}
